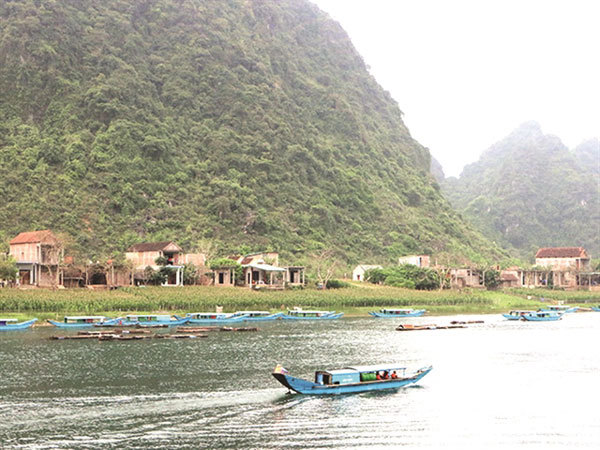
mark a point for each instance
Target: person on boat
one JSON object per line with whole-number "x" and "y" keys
{"x": 394, "y": 375}
{"x": 379, "y": 376}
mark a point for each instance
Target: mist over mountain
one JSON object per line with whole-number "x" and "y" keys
{"x": 529, "y": 191}
{"x": 251, "y": 123}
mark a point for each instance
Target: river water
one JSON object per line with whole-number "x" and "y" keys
{"x": 501, "y": 384}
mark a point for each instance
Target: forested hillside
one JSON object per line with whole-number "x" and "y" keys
{"x": 529, "y": 191}
{"x": 248, "y": 122}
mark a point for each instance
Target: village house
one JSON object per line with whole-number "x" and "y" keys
{"x": 415, "y": 260}
{"x": 145, "y": 254}
{"x": 358, "y": 274}
{"x": 38, "y": 255}
{"x": 563, "y": 265}
{"x": 563, "y": 258}
{"x": 466, "y": 278}
{"x": 261, "y": 270}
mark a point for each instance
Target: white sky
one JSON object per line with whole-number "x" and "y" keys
{"x": 466, "y": 73}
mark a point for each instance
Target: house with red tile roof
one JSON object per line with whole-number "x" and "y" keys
{"x": 38, "y": 255}
{"x": 563, "y": 258}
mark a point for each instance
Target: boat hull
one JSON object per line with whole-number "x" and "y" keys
{"x": 596, "y": 308}
{"x": 325, "y": 317}
{"x": 106, "y": 323}
{"x": 512, "y": 317}
{"x": 309, "y": 388}
{"x": 534, "y": 318}
{"x": 263, "y": 318}
{"x": 216, "y": 321}
{"x": 149, "y": 323}
{"x": 417, "y": 313}
{"x": 18, "y": 326}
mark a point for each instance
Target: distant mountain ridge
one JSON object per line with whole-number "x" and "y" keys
{"x": 251, "y": 123}
{"x": 529, "y": 191}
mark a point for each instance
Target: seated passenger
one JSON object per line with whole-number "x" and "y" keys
{"x": 379, "y": 376}
{"x": 394, "y": 376}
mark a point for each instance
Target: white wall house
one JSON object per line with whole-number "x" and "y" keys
{"x": 415, "y": 260}
{"x": 358, "y": 274}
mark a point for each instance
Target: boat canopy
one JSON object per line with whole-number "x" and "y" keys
{"x": 148, "y": 317}
{"x": 305, "y": 311}
{"x": 85, "y": 317}
{"x": 209, "y": 315}
{"x": 391, "y": 310}
{"x": 7, "y": 320}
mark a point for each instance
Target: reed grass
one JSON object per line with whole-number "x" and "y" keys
{"x": 203, "y": 298}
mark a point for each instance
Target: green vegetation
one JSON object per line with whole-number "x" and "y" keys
{"x": 528, "y": 191}
{"x": 356, "y": 299}
{"x": 8, "y": 268}
{"x": 405, "y": 276}
{"x": 238, "y": 122}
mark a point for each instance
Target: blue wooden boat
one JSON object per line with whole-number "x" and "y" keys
{"x": 516, "y": 314}
{"x": 560, "y": 308}
{"x": 351, "y": 379}
{"x": 83, "y": 321}
{"x": 398, "y": 313}
{"x": 214, "y": 318}
{"x": 13, "y": 324}
{"x": 300, "y": 314}
{"x": 596, "y": 308}
{"x": 542, "y": 316}
{"x": 149, "y": 320}
{"x": 257, "y": 316}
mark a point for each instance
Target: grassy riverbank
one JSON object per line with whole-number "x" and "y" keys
{"x": 356, "y": 300}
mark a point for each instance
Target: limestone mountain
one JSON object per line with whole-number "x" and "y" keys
{"x": 252, "y": 123}
{"x": 529, "y": 191}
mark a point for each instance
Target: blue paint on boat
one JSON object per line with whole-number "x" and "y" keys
{"x": 542, "y": 316}
{"x": 596, "y": 308}
{"x": 351, "y": 380}
{"x": 300, "y": 314}
{"x": 560, "y": 308}
{"x": 84, "y": 321}
{"x": 517, "y": 314}
{"x": 257, "y": 316}
{"x": 397, "y": 313}
{"x": 13, "y": 324}
{"x": 213, "y": 318}
{"x": 149, "y": 320}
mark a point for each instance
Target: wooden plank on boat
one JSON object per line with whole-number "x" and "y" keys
{"x": 409, "y": 327}
{"x": 209, "y": 329}
{"x": 72, "y": 337}
{"x": 180, "y": 336}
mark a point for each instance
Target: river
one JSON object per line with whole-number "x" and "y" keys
{"x": 501, "y": 384}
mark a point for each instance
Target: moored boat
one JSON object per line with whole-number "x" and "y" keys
{"x": 216, "y": 318}
{"x": 596, "y": 308}
{"x": 149, "y": 320}
{"x": 516, "y": 314}
{"x": 542, "y": 316}
{"x": 84, "y": 321}
{"x": 257, "y": 316}
{"x": 14, "y": 324}
{"x": 301, "y": 314}
{"x": 397, "y": 313}
{"x": 351, "y": 379}
{"x": 560, "y": 308}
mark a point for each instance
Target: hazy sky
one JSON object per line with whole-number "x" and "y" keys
{"x": 465, "y": 73}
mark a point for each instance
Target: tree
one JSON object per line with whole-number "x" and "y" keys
{"x": 324, "y": 264}
{"x": 8, "y": 268}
